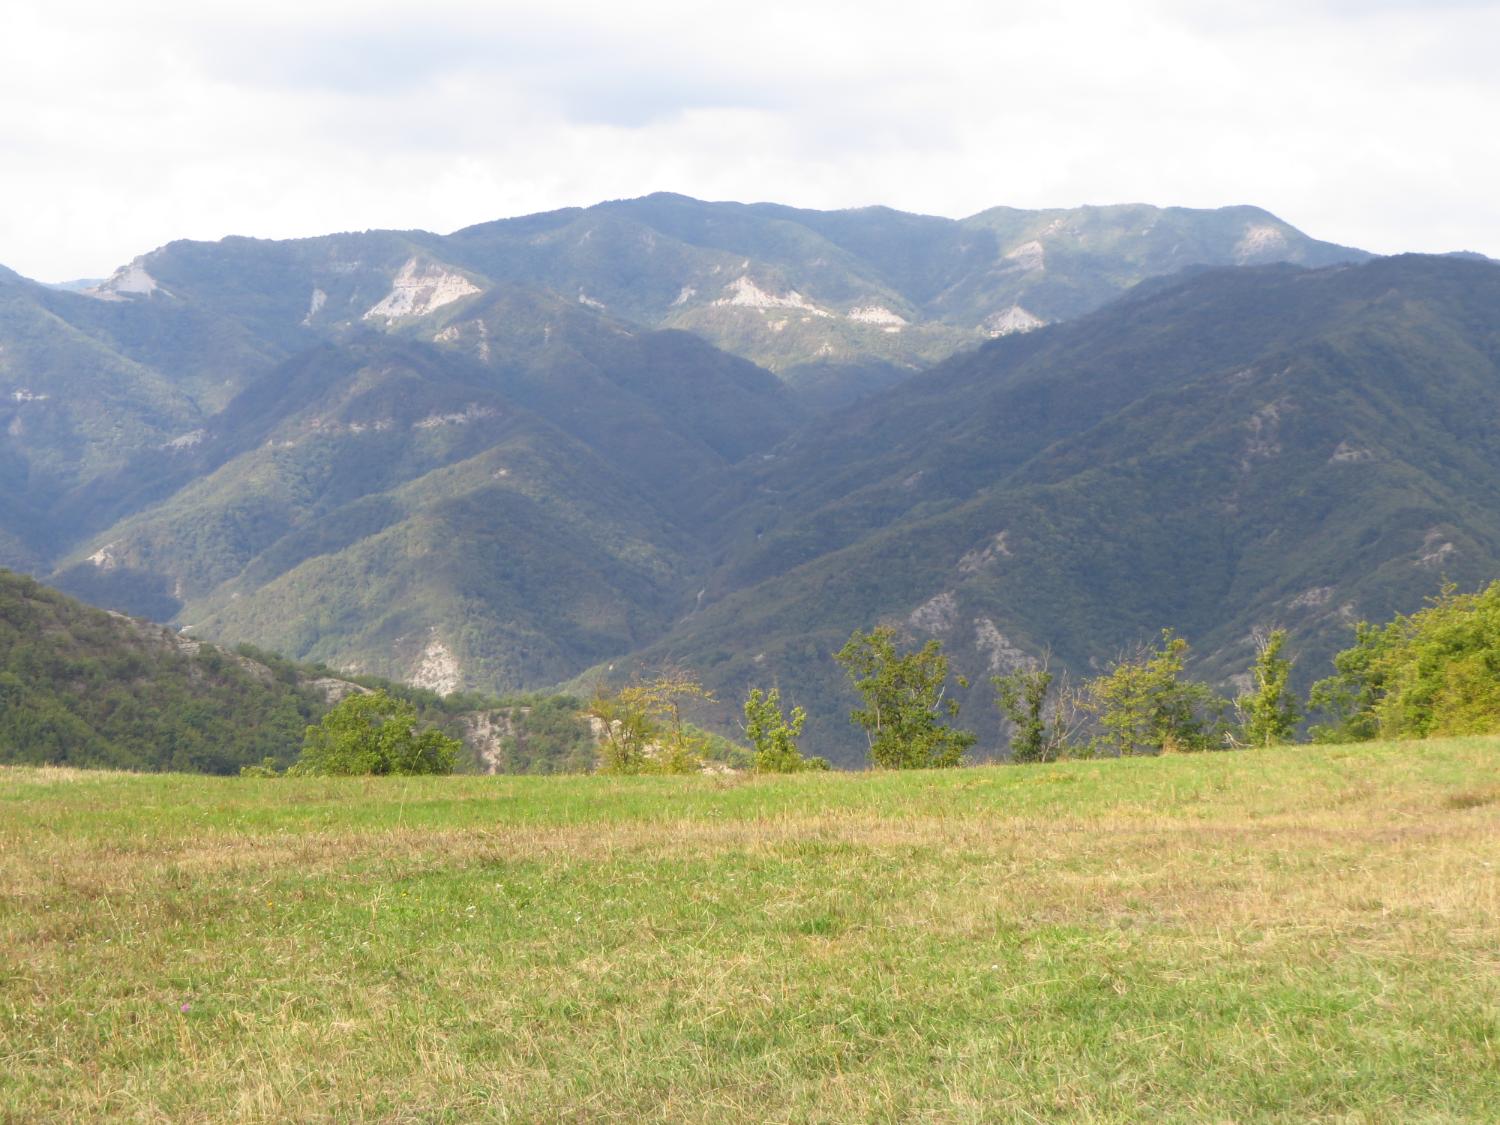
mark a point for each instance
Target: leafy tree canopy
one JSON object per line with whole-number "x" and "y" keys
{"x": 1269, "y": 712}
{"x": 374, "y": 733}
{"x": 906, "y": 700}
{"x": 773, "y": 734}
{"x": 1144, "y": 705}
{"x": 1433, "y": 673}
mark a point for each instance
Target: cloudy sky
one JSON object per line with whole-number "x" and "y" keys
{"x": 125, "y": 125}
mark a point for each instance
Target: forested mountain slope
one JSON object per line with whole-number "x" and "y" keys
{"x": 494, "y": 458}
{"x": 1224, "y": 452}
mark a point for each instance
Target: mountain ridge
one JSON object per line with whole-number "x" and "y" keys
{"x": 499, "y": 458}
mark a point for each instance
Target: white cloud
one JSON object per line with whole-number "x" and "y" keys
{"x": 124, "y": 126}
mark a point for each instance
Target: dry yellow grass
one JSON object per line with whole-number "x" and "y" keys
{"x": 1290, "y": 935}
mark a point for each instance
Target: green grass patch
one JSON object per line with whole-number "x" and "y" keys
{"x": 1287, "y": 935}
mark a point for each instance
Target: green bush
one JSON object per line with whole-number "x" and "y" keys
{"x": 1433, "y": 673}
{"x": 905, "y": 700}
{"x": 1269, "y": 712}
{"x": 773, "y": 735}
{"x": 643, "y": 729}
{"x": 373, "y": 733}
{"x": 1143, "y": 705}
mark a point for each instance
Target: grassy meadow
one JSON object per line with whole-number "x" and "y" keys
{"x": 1308, "y": 933}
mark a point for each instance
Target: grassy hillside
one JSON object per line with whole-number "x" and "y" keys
{"x": 1288, "y": 935}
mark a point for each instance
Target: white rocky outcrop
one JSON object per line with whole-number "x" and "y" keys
{"x": 1346, "y": 453}
{"x": 1312, "y": 599}
{"x": 982, "y": 556}
{"x": 877, "y": 314}
{"x": 128, "y": 281}
{"x": 1008, "y": 322}
{"x": 334, "y": 691}
{"x": 746, "y": 294}
{"x": 1264, "y": 434}
{"x": 186, "y": 441}
{"x": 936, "y": 615}
{"x": 24, "y": 394}
{"x": 437, "y": 669}
{"x": 458, "y": 333}
{"x": 1029, "y": 255}
{"x": 420, "y": 287}
{"x": 1000, "y": 653}
{"x": 1261, "y": 242}
{"x": 1436, "y": 549}
{"x": 314, "y": 305}
{"x": 105, "y": 558}
{"x": 471, "y": 413}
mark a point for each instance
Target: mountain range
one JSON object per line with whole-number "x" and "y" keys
{"x": 726, "y": 435}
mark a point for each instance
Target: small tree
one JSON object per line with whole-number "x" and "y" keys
{"x": 1269, "y": 712}
{"x": 375, "y": 733}
{"x": 773, "y": 735}
{"x": 1021, "y": 695}
{"x": 905, "y": 700}
{"x": 643, "y": 728}
{"x": 1144, "y": 706}
{"x": 625, "y": 732}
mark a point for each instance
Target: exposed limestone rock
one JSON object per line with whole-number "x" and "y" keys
{"x": 1347, "y": 452}
{"x": 186, "y": 441}
{"x": 1264, "y": 440}
{"x": 438, "y": 669}
{"x": 471, "y": 413}
{"x": 936, "y": 615}
{"x": 485, "y": 733}
{"x": 982, "y": 556}
{"x": 1435, "y": 549}
{"x": 170, "y": 640}
{"x": 1310, "y": 599}
{"x": 996, "y": 647}
{"x": 319, "y": 299}
{"x": 1008, "y": 322}
{"x": 1029, "y": 255}
{"x": 126, "y": 282}
{"x": 877, "y": 314}
{"x": 419, "y": 288}
{"x": 334, "y": 691}
{"x": 1261, "y": 242}
{"x": 746, "y": 294}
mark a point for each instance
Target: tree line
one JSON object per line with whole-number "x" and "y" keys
{"x": 1433, "y": 672}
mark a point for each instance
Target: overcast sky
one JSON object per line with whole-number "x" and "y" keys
{"x": 124, "y": 125}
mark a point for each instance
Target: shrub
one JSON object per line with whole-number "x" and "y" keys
{"x": 1435, "y": 672}
{"x": 1143, "y": 705}
{"x": 1040, "y": 733}
{"x": 1269, "y": 712}
{"x": 905, "y": 699}
{"x": 373, "y": 733}
{"x": 643, "y": 728}
{"x": 773, "y": 736}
